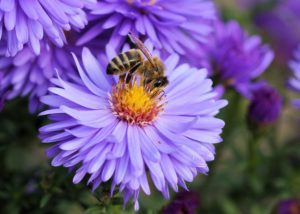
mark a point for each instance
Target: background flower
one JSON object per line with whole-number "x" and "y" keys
{"x": 184, "y": 202}
{"x": 294, "y": 82}
{"x": 110, "y": 131}
{"x": 265, "y": 105}
{"x": 281, "y": 23}
{"x": 236, "y": 58}
{"x": 28, "y": 22}
{"x": 171, "y": 25}
{"x": 29, "y": 75}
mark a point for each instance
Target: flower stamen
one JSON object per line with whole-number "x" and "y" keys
{"x": 135, "y": 103}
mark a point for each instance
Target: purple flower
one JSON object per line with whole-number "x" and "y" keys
{"x": 288, "y": 206}
{"x": 184, "y": 202}
{"x": 171, "y": 25}
{"x": 294, "y": 82}
{"x": 281, "y": 23}
{"x": 29, "y": 75}
{"x": 265, "y": 105}
{"x": 109, "y": 130}
{"x": 29, "y": 21}
{"x": 236, "y": 58}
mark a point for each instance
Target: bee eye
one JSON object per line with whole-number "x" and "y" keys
{"x": 158, "y": 83}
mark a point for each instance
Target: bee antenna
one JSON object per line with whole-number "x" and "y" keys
{"x": 142, "y": 47}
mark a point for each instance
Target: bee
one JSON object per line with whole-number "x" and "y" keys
{"x": 132, "y": 62}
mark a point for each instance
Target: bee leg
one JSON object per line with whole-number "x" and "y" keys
{"x": 128, "y": 78}
{"x": 150, "y": 85}
{"x": 162, "y": 95}
{"x": 146, "y": 80}
{"x": 122, "y": 78}
{"x": 131, "y": 72}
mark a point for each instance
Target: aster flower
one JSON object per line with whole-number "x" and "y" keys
{"x": 29, "y": 75}
{"x": 281, "y": 23}
{"x": 236, "y": 58}
{"x": 28, "y": 22}
{"x": 108, "y": 130}
{"x": 171, "y": 25}
{"x": 265, "y": 105}
{"x": 294, "y": 82}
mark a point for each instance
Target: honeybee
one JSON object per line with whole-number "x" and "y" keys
{"x": 132, "y": 62}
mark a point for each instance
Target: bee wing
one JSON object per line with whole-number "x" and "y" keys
{"x": 142, "y": 47}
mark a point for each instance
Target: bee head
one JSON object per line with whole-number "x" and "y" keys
{"x": 159, "y": 66}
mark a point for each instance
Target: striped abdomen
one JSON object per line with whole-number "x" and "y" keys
{"x": 124, "y": 62}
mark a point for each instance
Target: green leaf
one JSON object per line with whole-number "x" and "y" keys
{"x": 94, "y": 210}
{"x": 117, "y": 201}
{"x": 45, "y": 200}
{"x": 229, "y": 207}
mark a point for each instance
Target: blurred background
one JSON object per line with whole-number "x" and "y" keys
{"x": 256, "y": 169}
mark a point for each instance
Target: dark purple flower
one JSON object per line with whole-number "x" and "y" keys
{"x": 236, "y": 58}
{"x": 288, "y": 206}
{"x": 265, "y": 105}
{"x": 184, "y": 203}
{"x": 282, "y": 24}
{"x": 29, "y": 21}
{"x": 109, "y": 130}
{"x": 294, "y": 82}
{"x": 27, "y": 74}
{"x": 1, "y": 103}
{"x": 171, "y": 25}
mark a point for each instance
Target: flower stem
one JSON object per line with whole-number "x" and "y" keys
{"x": 252, "y": 155}
{"x": 252, "y": 162}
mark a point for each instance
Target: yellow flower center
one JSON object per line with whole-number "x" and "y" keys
{"x": 135, "y": 103}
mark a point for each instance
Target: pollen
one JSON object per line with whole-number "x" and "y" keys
{"x": 135, "y": 103}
